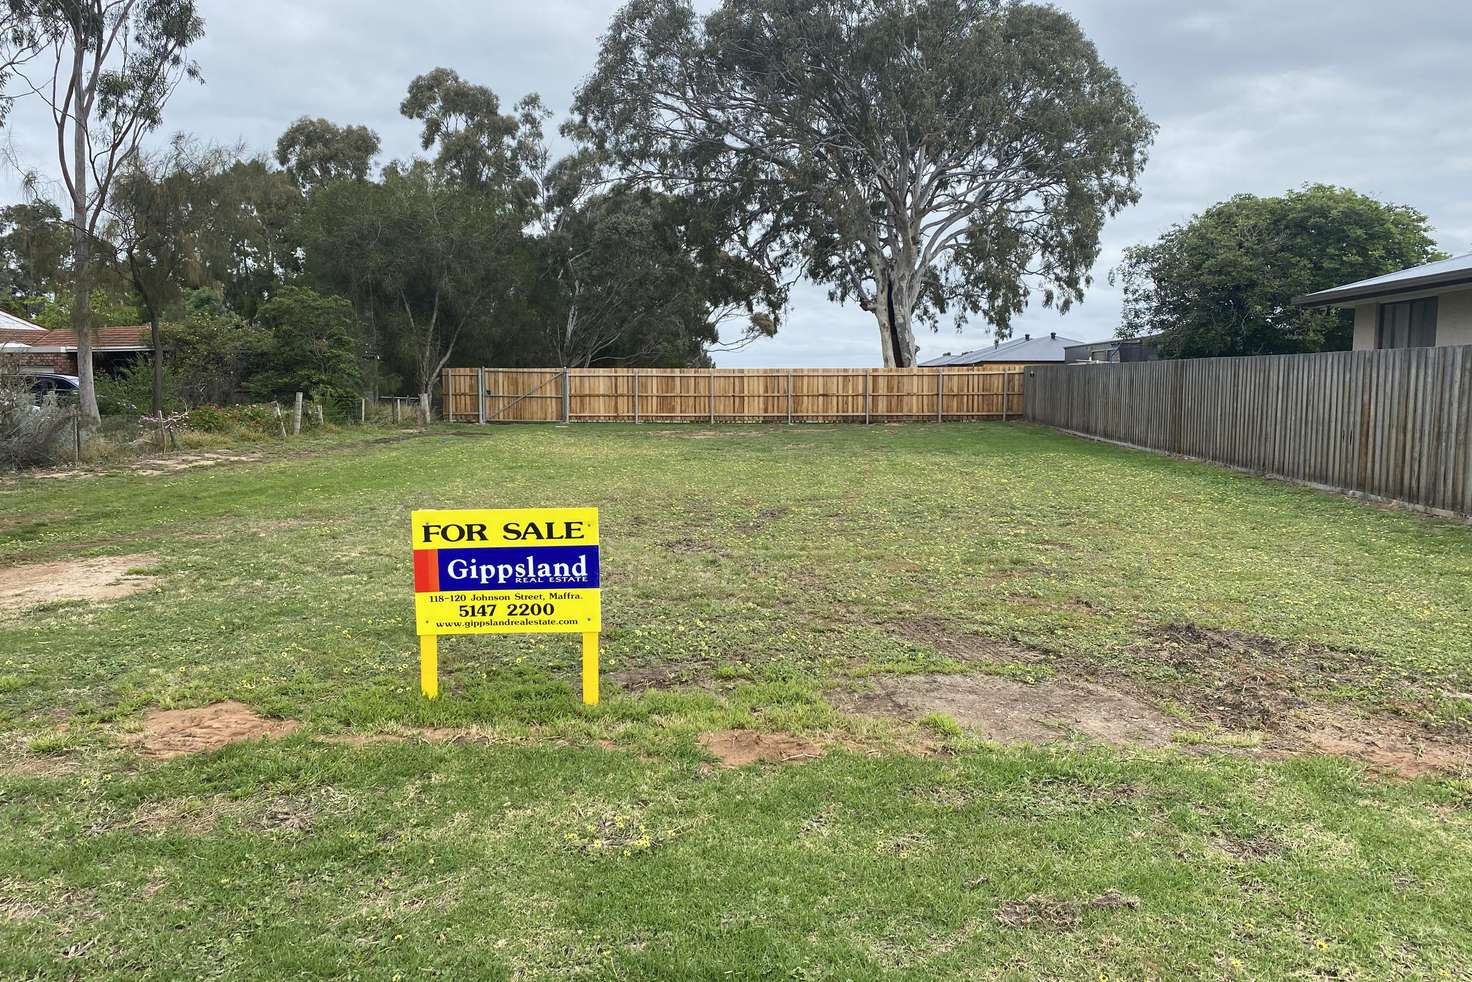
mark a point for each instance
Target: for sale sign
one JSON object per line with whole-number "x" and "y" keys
{"x": 507, "y": 571}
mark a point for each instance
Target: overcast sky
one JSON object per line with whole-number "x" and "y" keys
{"x": 1250, "y": 95}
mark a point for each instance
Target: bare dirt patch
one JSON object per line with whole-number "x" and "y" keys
{"x": 1246, "y": 681}
{"x": 1247, "y": 849}
{"x": 665, "y": 675}
{"x": 100, "y": 578}
{"x": 1386, "y": 745}
{"x": 174, "y": 732}
{"x": 1040, "y": 911}
{"x": 1014, "y": 712}
{"x": 737, "y": 748}
{"x": 189, "y": 461}
{"x": 187, "y": 816}
{"x": 960, "y": 643}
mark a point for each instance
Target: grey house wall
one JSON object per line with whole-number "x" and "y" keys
{"x": 1453, "y": 318}
{"x": 1388, "y": 425}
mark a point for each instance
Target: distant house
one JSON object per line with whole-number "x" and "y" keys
{"x": 30, "y": 348}
{"x": 1026, "y": 350}
{"x": 1421, "y": 307}
{"x": 1115, "y": 351}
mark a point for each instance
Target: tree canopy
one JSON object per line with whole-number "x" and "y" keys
{"x": 316, "y": 152}
{"x": 1224, "y": 282}
{"x": 113, "y": 66}
{"x": 923, "y": 157}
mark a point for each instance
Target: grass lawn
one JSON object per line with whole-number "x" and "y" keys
{"x": 783, "y": 580}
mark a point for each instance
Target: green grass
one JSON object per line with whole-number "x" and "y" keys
{"x": 749, "y": 574}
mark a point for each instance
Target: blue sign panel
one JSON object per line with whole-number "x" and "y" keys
{"x": 532, "y": 567}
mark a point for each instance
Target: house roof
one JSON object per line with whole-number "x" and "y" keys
{"x": 1456, "y": 271}
{"x": 135, "y": 338}
{"x": 1024, "y": 349}
{"x": 10, "y": 322}
{"x": 19, "y": 338}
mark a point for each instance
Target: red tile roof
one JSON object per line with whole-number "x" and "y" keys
{"x": 20, "y": 336}
{"x": 136, "y": 336}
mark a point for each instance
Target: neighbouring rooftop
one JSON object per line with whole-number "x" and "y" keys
{"x": 1456, "y": 271}
{"x": 1016, "y": 350}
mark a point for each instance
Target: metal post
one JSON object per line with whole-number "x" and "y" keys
{"x": 635, "y": 373}
{"x": 789, "y": 397}
{"x": 866, "y": 395}
{"x": 480, "y": 395}
{"x": 566, "y": 397}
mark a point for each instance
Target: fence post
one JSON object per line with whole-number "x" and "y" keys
{"x": 712, "y": 378}
{"x": 566, "y": 397}
{"x": 480, "y": 395}
{"x": 362, "y": 410}
{"x": 940, "y": 392}
{"x": 296, "y": 416}
{"x": 449, "y": 395}
{"x": 789, "y": 397}
{"x": 397, "y": 410}
{"x": 635, "y": 373}
{"x": 866, "y": 395}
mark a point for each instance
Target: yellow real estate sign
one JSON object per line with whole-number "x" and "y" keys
{"x": 507, "y": 571}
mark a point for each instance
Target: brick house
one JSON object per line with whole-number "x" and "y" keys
{"x": 30, "y": 348}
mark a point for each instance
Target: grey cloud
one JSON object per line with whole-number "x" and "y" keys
{"x": 1250, "y": 95}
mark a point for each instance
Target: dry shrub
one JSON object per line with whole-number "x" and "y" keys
{"x": 31, "y": 434}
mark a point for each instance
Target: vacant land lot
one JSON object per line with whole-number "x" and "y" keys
{"x": 1015, "y": 705}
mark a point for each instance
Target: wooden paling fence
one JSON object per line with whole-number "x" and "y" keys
{"x": 1388, "y": 425}
{"x": 722, "y": 395}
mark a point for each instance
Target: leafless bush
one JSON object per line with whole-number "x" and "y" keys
{"x": 31, "y": 434}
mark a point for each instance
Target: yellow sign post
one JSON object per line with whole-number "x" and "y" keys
{"x": 507, "y": 571}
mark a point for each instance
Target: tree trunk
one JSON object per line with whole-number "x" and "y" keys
{"x": 896, "y": 338}
{"x": 82, "y": 242}
{"x": 158, "y": 369}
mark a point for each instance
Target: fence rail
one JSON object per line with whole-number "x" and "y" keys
{"x": 721, "y": 395}
{"x": 1390, "y": 425}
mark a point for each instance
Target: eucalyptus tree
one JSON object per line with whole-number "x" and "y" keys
{"x": 158, "y": 212}
{"x": 475, "y": 144}
{"x": 35, "y": 252}
{"x": 316, "y": 152}
{"x": 639, "y": 278}
{"x": 18, "y": 45}
{"x": 247, "y": 244}
{"x": 918, "y": 156}
{"x": 112, "y": 66}
{"x": 418, "y": 253}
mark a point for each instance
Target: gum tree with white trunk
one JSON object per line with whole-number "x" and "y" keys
{"x": 105, "y": 69}
{"x": 922, "y": 157}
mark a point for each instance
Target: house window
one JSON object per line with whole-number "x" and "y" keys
{"x": 1409, "y": 324}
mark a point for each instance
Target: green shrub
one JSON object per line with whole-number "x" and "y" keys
{"x": 233, "y": 419}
